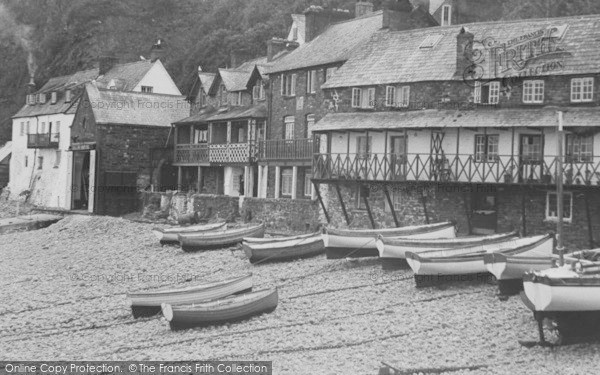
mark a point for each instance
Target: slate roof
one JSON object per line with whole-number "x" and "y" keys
{"x": 198, "y": 118}
{"x": 135, "y": 108}
{"x": 238, "y": 113}
{"x": 433, "y": 118}
{"x": 337, "y": 43}
{"x": 206, "y": 79}
{"x": 395, "y": 57}
{"x": 234, "y": 79}
{"x": 128, "y": 75}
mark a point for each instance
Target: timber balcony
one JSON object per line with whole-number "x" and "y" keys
{"x": 45, "y": 140}
{"x": 284, "y": 149}
{"x": 203, "y": 153}
{"x": 455, "y": 168}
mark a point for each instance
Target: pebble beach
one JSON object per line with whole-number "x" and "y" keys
{"x": 63, "y": 297}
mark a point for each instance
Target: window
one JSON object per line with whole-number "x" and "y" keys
{"x": 307, "y": 184}
{"x": 223, "y": 95}
{"x": 83, "y": 122}
{"x": 202, "y": 100}
{"x": 200, "y": 135}
{"x": 289, "y": 127}
{"x": 486, "y": 148}
{"x": 286, "y": 181}
{"x": 329, "y": 72}
{"x": 22, "y": 130}
{"x": 68, "y": 96}
{"x": 533, "y": 91}
{"x": 403, "y": 96}
{"x": 488, "y": 93}
{"x": 27, "y": 128}
{"x": 53, "y": 98}
{"x": 430, "y": 41}
{"x": 238, "y": 98}
{"x": 390, "y": 95}
{"x": 258, "y": 91}
{"x": 311, "y": 81}
{"x": 43, "y": 128}
{"x": 42, "y": 98}
{"x": 40, "y": 162}
{"x": 238, "y": 181}
{"x": 446, "y": 15}
{"x": 363, "y": 98}
{"x": 288, "y": 84}
{"x": 310, "y": 123}
{"x": 26, "y": 161}
{"x": 55, "y": 131}
{"x": 582, "y": 90}
{"x": 552, "y": 206}
{"x": 579, "y": 148}
{"x": 397, "y": 200}
{"x": 57, "y": 159}
{"x": 148, "y": 89}
{"x": 361, "y": 193}
{"x": 363, "y": 146}
{"x": 294, "y": 33}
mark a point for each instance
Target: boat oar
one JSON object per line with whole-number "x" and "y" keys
{"x": 430, "y": 370}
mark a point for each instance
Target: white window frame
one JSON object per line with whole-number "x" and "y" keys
{"x": 42, "y": 98}
{"x": 310, "y": 122}
{"x": 390, "y": 96}
{"x": 307, "y": 184}
{"x": 288, "y": 127}
{"x": 22, "y": 130}
{"x": 530, "y": 96}
{"x": 582, "y": 90}
{"x": 356, "y": 97}
{"x": 288, "y": 84}
{"x": 397, "y": 200}
{"x": 147, "y": 89}
{"x": 258, "y": 91}
{"x": 68, "y": 94}
{"x": 287, "y": 180}
{"x": 57, "y": 158}
{"x": 553, "y": 216}
{"x": 493, "y": 88}
{"x": 311, "y": 82}
{"x": 483, "y": 154}
{"x": 368, "y": 143}
{"x": 366, "y": 98}
{"x": 403, "y": 96}
{"x": 447, "y": 22}
{"x": 53, "y": 97}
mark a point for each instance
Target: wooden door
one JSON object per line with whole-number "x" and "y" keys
{"x": 530, "y": 157}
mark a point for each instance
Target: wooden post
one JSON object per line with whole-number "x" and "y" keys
{"x": 277, "y": 181}
{"x": 559, "y": 193}
{"x": 391, "y": 204}
{"x": 512, "y": 156}
{"x": 457, "y": 158}
{"x": 179, "y": 178}
{"x": 265, "y": 187}
{"x": 523, "y": 216}
{"x": 467, "y": 212}
{"x": 366, "y": 200}
{"x": 260, "y": 181}
{"x": 386, "y": 158}
{"x": 199, "y": 187}
{"x": 424, "y": 201}
{"x": 339, "y": 194}
{"x": 318, "y": 192}
{"x": 294, "y": 182}
{"x": 589, "y": 220}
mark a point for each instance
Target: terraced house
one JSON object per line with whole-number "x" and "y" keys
{"x": 297, "y": 81}
{"x": 461, "y": 122}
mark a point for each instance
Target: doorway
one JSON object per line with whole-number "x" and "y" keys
{"x": 530, "y": 158}
{"x": 484, "y": 216}
{"x": 80, "y": 187}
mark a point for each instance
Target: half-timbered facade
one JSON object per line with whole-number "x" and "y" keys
{"x": 461, "y": 122}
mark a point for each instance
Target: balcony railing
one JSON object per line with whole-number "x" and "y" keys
{"x": 283, "y": 149}
{"x": 229, "y": 153}
{"x": 455, "y": 168}
{"x": 45, "y": 140}
{"x": 191, "y": 153}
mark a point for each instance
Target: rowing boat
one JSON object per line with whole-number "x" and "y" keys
{"x": 148, "y": 303}
{"x": 357, "y": 243}
{"x": 169, "y": 235}
{"x": 213, "y": 240}
{"x": 277, "y": 239}
{"x": 391, "y": 250}
{"x": 284, "y": 248}
{"x": 226, "y": 310}
{"x": 434, "y": 266}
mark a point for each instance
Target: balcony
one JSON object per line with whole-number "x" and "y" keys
{"x": 455, "y": 168}
{"x": 191, "y": 154}
{"x": 282, "y": 150}
{"x": 46, "y": 140}
{"x": 230, "y": 153}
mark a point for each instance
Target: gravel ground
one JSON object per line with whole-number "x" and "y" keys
{"x": 62, "y": 296}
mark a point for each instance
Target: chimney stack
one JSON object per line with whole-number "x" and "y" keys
{"x": 158, "y": 51}
{"x": 317, "y": 19}
{"x": 397, "y": 15}
{"x": 464, "y": 52}
{"x": 362, "y": 8}
{"x": 106, "y": 63}
{"x": 277, "y": 45}
{"x": 31, "y": 86}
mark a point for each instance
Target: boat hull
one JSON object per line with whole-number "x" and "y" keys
{"x": 209, "y": 241}
{"x": 229, "y": 310}
{"x": 558, "y": 290}
{"x": 429, "y": 266}
{"x": 283, "y": 250}
{"x": 149, "y": 303}
{"x": 510, "y": 268}
{"x": 392, "y": 249}
{"x": 170, "y": 235}
{"x": 357, "y": 244}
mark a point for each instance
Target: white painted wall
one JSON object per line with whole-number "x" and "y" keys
{"x": 159, "y": 79}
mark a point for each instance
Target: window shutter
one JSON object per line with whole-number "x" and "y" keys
{"x": 282, "y": 84}
{"x": 405, "y": 96}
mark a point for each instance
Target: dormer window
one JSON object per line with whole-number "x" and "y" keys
{"x": 258, "y": 91}
{"x": 446, "y": 15}
{"x": 430, "y": 41}
{"x": 488, "y": 93}
{"x": 42, "y": 98}
{"x": 397, "y": 96}
{"x": 533, "y": 92}
{"x": 311, "y": 81}
{"x": 147, "y": 89}
{"x": 68, "y": 96}
{"x": 223, "y": 95}
{"x": 363, "y": 98}
{"x": 53, "y": 98}
{"x": 238, "y": 98}
{"x": 31, "y": 99}
{"x": 582, "y": 90}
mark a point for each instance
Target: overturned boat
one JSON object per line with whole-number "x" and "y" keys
{"x": 392, "y": 251}
{"x": 226, "y": 310}
{"x": 432, "y": 267}
{"x": 169, "y": 235}
{"x": 149, "y": 303}
{"x": 357, "y": 243}
{"x": 215, "y": 240}
{"x": 285, "y": 248}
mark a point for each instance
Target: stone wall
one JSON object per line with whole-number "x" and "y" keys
{"x": 283, "y": 215}
{"x": 172, "y": 205}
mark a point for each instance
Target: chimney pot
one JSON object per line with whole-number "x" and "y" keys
{"x": 362, "y": 8}
{"x": 464, "y": 50}
{"x": 158, "y": 50}
{"x": 277, "y": 45}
